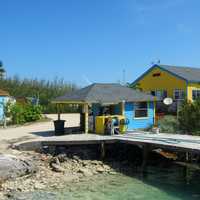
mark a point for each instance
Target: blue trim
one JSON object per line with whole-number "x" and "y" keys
{"x": 154, "y": 66}
{"x": 140, "y": 77}
{"x": 194, "y": 82}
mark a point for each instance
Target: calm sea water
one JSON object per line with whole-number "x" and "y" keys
{"x": 157, "y": 184}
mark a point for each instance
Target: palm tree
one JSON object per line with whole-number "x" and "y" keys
{"x": 2, "y": 70}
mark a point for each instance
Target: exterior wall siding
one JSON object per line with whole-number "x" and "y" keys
{"x": 192, "y": 86}
{"x": 165, "y": 81}
{"x": 142, "y": 122}
{"x": 2, "y": 101}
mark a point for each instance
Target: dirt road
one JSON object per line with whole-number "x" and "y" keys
{"x": 34, "y": 130}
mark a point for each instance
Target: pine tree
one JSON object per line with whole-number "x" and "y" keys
{"x": 2, "y": 70}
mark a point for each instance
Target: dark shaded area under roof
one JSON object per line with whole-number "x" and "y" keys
{"x": 105, "y": 93}
{"x": 190, "y": 74}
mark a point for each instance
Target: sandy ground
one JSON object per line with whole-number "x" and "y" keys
{"x": 44, "y": 129}
{"x": 35, "y": 130}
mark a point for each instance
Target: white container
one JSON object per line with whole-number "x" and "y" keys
{"x": 156, "y": 130}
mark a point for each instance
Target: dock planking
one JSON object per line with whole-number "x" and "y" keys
{"x": 176, "y": 142}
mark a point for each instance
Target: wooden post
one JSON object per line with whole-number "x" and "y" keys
{"x": 58, "y": 110}
{"x": 102, "y": 150}
{"x": 146, "y": 149}
{"x": 86, "y": 117}
{"x": 185, "y": 168}
{"x": 122, "y": 107}
{"x": 187, "y": 156}
{"x": 155, "y": 123}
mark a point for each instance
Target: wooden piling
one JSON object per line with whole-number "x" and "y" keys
{"x": 103, "y": 150}
{"x": 146, "y": 149}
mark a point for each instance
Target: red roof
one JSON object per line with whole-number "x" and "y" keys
{"x": 4, "y": 93}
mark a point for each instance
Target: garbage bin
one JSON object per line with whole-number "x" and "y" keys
{"x": 59, "y": 127}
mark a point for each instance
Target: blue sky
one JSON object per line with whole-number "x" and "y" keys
{"x": 87, "y": 41}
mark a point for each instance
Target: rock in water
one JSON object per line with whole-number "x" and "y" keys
{"x": 85, "y": 172}
{"x": 57, "y": 168}
{"x": 12, "y": 167}
{"x": 100, "y": 169}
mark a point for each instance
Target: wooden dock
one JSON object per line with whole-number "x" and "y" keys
{"x": 176, "y": 142}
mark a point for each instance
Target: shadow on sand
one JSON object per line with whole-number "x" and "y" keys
{"x": 68, "y": 130}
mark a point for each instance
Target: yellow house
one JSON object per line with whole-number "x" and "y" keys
{"x": 170, "y": 81}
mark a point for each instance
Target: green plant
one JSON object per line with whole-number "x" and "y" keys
{"x": 17, "y": 114}
{"x": 189, "y": 117}
{"x": 22, "y": 113}
{"x": 168, "y": 124}
{"x": 32, "y": 112}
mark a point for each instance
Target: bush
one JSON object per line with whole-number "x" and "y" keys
{"x": 189, "y": 117}
{"x": 168, "y": 124}
{"x": 20, "y": 113}
{"x": 17, "y": 114}
{"x": 32, "y": 113}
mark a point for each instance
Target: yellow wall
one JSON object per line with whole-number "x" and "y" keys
{"x": 165, "y": 81}
{"x": 192, "y": 86}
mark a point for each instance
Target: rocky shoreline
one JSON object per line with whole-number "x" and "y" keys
{"x": 53, "y": 170}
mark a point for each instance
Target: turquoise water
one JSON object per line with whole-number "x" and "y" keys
{"x": 160, "y": 184}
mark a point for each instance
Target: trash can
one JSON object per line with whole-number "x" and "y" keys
{"x": 59, "y": 127}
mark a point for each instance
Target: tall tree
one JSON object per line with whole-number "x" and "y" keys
{"x": 2, "y": 70}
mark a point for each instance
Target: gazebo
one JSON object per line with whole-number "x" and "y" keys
{"x": 112, "y": 99}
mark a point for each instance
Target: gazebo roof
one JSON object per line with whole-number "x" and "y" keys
{"x": 104, "y": 93}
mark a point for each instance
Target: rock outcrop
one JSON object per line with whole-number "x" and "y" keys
{"x": 12, "y": 167}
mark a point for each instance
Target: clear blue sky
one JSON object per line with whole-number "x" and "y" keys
{"x": 96, "y": 39}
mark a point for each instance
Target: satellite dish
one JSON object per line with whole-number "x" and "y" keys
{"x": 168, "y": 101}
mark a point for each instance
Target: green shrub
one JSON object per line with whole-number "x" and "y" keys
{"x": 32, "y": 113}
{"x": 17, "y": 114}
{"x": 21, "y": 113}
{"x": 168, "y": 124}
{"x": 189, "y": 117}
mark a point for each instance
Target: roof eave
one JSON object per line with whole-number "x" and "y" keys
{"x": 193, "y": 81}
{"x": 158, "y": 66}
{"x": 67, "y": 102}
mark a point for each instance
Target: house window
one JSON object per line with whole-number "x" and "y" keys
{"x": 195, "y": 94}
{"x": 141, "y": 110}
{"x": 179, "y": 94}
{"x": 156, "y": 74}
{"x": 153, "y": 93}
{"x": 160, "y": 94}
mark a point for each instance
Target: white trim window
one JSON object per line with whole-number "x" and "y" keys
{"x": 140, "y": 110}
{"x": 160, "y": 94}
{"x": 179, "y": 94}
{"x": 195, "y": 94}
